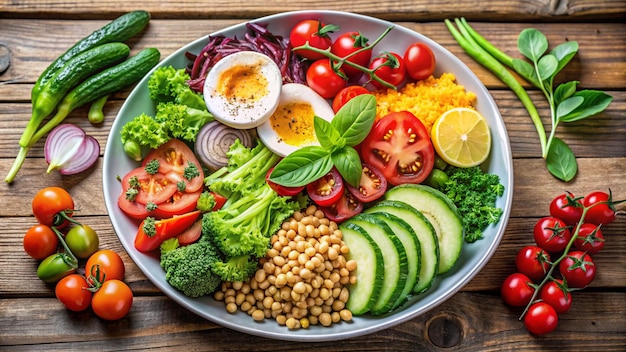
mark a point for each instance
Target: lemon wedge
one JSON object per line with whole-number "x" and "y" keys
{"x": 461, "y": 137}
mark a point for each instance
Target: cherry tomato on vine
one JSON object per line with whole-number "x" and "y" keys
{"x": 113, "y": 300}
{"x": 314, "y": 32}
{"x": 567, "y": 208}
{"x": 419, "y": 61}
{"x": 372, "y": 186}
{"x": 327, "y": 189}
{"x": 578, "y": 269}
{"x": 533, "y": 262}
{"x": 541, "y": 318}
{"x": 49, "y": 203}
{"x": 56, "y": 266}
{"x": 557, "y": 295}
{"x": 109, "y": 262}
{"x": 321, "y": 77}
{"x": 348, "y": 43}
{"x": 40, "y": 241}
{"x": 390, "y": 68}
{"x": 82, "y": 241}
{"x": 73, "y": 291}
{"x": 602, "y": 213}
{"x": 516, "y": 290}
{"x": 346, "y": 94}
{"x": 551, "y": 234}
{"x": 589, "y": 238}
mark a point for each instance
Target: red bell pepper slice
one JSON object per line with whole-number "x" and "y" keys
{"x": 164, "y": 229}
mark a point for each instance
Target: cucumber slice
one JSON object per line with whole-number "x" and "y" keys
{"x": 429, "y": 246}
{"x": 405, "y": 233}
{"x": 370, "y": 269}
{"x": 394, "y": 260}
{"x": 443, "y": 215}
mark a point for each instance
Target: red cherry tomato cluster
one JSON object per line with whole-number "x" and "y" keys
{"x": 59, "y": 253}
{"x": 561, "y": 260}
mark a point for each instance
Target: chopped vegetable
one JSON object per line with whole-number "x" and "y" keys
{"x": 70, "y": 150}
{"x": 96, "y": 113}
{"x": 213, "y": 143}
{"x": 168, "y": 84}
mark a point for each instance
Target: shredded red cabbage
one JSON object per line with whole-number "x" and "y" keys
{"x": 259, "y": 39}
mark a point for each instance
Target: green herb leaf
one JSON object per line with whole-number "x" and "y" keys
{"x": 302, "y": 167}
{"x": 564, "y": 52}
{"x": 561, "y": 161}
{"x": 546, "y": 67}
{"x": 355, "y": 119}
{"x": 327, "y": 135}
{"x": 564, "y": 91}
{"x": 526, "y": 70}
{"x": 594, "y": 103}
{"x": 348, "y": 163}
{"x": 568, "y": 105}
{"x": 532, "y": 44}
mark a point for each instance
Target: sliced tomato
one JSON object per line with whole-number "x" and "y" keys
{"x": 164, "y": 229}
{"x": 132, "y": 209}
{"x": 327, "y": 189}
{"x": 346, "y": 207}
{"x": 174, "y": 158}
{"x": 372, "y": 186}
{"x": 346, "y": 94}
{"x": 400, "y": 147}
{"x": 179, "y": 203}
{"x": 282, "y": 190}
{"x": 191, "y": 234}
{"x": 151, "y": 188}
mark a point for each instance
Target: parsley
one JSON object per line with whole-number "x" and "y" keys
{"x": 149, "y": 226}
{"x": 152, "y": 166}
{"x": 133, "y": 188}
{"x": 181, "y": 185}
{"x": 151, "y": 206}
{"x": 191, "y": 171}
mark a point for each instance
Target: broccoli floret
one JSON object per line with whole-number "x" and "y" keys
{"x": 188, "y": 268}
{"x": 182, "y": 121}
{"x": 143, "y": 130}
{"x": 238, "y": 268}
{"x": 474, "y": 192}
{"x": 167, "y": 84}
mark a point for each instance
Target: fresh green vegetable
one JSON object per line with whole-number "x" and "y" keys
{"x": 152, "y": 166}
{"x": 566, "y": 104}
{"x": 237, "y": 268}
{"x": 337, "y": 140}
{"x": 188, "y": 268}
{"x": 118, "y": 30}
{"x": 206, "y": 202}
{"x": 168, "y": 84}
{"x": 474, "y": 192}
{"x": 96, "y": 110}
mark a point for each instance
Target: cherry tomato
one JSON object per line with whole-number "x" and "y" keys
{"x": 176, "y": 162}
{"x": 146, "y": 241}
{"x": 372, "y": 186}
{"x": 516, "y": 290}
{"x": 282, "y": 190}
{"x": 327, "y": 189}
{"x": 557, "y": 295}
{"x": 419, "y": 61}
{"x": 390, "y": 68}
{"x": 40, "y": 241}
{"x": 551, "y": 234}
{"x": 541, "y": 318}
{"x": 314, "y": 32}
{"x": 567, "y": 208}
{"x": 49, "y": 203}
{"x": 321, "y": 77}
{"x": 348, "y": 43}
{"x": 346, "y": 94}
{"x": 603, "y": 213}
{"x": 533, "y": 262}
{"x": 56, "y": 266}
{"x": 589, "y": 238}
{"x": 82, "y": 241}
{"x": 109, "y": 263}
{"x": 190, "y": 235}
{"x": 73, "y": 291}
{"x": 578, "y": 269}
{"x": 346, "y": 207}
{"x": 113, "y": 300}
{"x": 400, "y": 147}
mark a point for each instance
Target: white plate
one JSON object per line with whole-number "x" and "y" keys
{"x": 473, "y": 258}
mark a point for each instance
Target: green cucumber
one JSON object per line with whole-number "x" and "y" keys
{"x": 369, "y": 270}
{"x": 409, "y": 239}
{"x": 443, "y": 215}
{"x": 394, "y": 261}
{"x": 102, "y": 84}
{"x": 429, "y": 246}
{"x": 118, "y": 30}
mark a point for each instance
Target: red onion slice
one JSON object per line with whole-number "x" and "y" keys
{"x": 70, "y": 150}
{"x": 214, "y": 140}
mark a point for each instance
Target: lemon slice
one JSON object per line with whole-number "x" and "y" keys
{"x": 461, "y": 137}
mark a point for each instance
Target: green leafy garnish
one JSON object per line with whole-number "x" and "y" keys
{"x": 152, "y": 166}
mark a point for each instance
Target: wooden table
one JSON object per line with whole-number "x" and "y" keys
{"x": 474, "y": 319}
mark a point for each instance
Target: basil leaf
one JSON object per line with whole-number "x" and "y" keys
{"x": 594, "y": 103}
{"x": 526, "y": 70}
{"x": 302, "y": 167}
{"x": 568, "y": 105}
{"x": 564, "y": 91}
{"x": 561, "y": 161}
{"x": 546, "y": 67}
{"x": 355, "y": 119}
{"x": 532, "y": 44}
{"x": 348, "y": 163}
{"x": 564, "y": 52}
{"x": 327, "y": 135}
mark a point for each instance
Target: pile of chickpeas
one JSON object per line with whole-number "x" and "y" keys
{"x": 303, "y": 278}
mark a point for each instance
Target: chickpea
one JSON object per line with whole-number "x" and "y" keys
{"x": 258, "y": 315}
{"x": 231, "y": 308}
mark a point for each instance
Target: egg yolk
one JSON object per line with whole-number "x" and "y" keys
{"x": 243, "y": 83}
{"x": 293, "y": 123}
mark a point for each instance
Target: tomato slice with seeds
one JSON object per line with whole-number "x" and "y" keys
{"x": 399, "y": 146}
{"x": 151, "y": 188}
{"x": 174, "y": 159}
{"x": 346, "y": 207}
{"x": 179, "y": 203}
{"x": 372, "y": 186}
{"x": 326, "y": 190}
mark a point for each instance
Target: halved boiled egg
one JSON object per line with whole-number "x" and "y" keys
{"x": 242, "y": 90}
{"x": 290, "y": 127}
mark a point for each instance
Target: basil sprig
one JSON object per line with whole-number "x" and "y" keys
{"x": 337, "y": 140}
